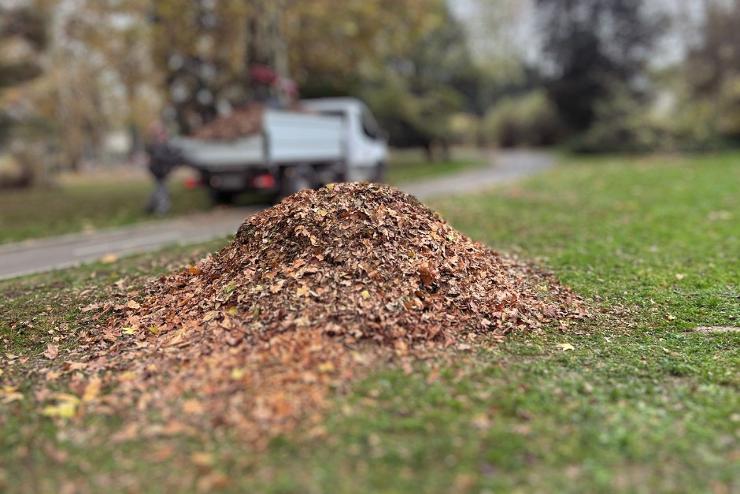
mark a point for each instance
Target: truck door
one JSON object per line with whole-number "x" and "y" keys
{"x": 369, "y": 149}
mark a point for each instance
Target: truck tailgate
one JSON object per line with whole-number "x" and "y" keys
{"x": 222, "y": 154}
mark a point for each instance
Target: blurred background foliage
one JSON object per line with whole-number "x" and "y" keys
{"x": 80, "y": 80}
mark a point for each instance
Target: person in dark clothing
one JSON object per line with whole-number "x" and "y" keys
{"x": 162, "y": 160}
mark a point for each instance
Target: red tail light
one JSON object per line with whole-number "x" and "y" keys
{"x": 264, "y": 181}
{"x": 191, "y": 183}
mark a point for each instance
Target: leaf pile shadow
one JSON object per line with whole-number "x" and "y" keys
{"x": 310, "y": 293}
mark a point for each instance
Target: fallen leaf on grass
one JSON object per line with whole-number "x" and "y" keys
{"x": 66, "y": 407}
{"x": 162, "y": 453}
{"x": 481, "y": 422}
{"x": 52, "y": 351}
{"x": 92, "y": 390}
{"x": 74, "y": 366}
{"x": 11, "y": 394}
{"x": 202, "y": 460}
{"x": 213, "y": 481}
{"x": 89, "y": 308}
{"x": 565, "y": 346}
{"x": 193, "y": 407}
{"x": 109, "y": 259}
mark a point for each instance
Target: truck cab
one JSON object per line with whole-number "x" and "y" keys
{"x": 366, "y": 147}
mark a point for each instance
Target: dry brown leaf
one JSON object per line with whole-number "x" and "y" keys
{"x": 52, "y": 351}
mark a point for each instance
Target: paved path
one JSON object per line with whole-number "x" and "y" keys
{"x": 69, "y": 250}
{"x": 504, "y": 167}
{"x": 35, "y": 256}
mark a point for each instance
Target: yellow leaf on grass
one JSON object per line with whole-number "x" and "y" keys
{"x": 92, "y": 390}
{"x": 127, "y": 376}
{"x": 66, "y": 406}
{"x": 202, "y": 460}
{"x": 65, "y": 410}
{"x": 109, "y": 259}
{"x": 10, "y": 394}
{"x": 566, "y": 346}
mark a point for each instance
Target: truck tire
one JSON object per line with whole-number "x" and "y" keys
{"x": 295, "y": 179}
{"x": 379, "y": 172}
{"x": 221, "y": 197}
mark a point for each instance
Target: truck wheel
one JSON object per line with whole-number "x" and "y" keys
{"x": 379, "y": 172}
{"x": 295, "y": 179}
{"x": 219, "y": 197}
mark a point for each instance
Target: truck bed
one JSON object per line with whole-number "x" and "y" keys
{"x": 285, "y": 137}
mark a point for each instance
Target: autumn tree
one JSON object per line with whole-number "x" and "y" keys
{"x": 116, "y": 33}
{"x": 204, "y": 51}
{"x": 23, "y": 37}
{"x": 422, "y": 87}
{"x": 592, "y": 48}
{"x": 712, "y": 65}
{"x": 408, "y": 59}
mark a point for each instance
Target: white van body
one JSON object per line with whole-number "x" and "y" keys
{"x": 334, "y": 139}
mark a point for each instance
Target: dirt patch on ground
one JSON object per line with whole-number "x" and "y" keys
{"x": 310, "y": 293}
{"x": 717, "y": 329}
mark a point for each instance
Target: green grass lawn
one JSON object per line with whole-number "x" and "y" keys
{"x": 92, "y": 204}
{"x": 642, "y": 402}
{"x": 85, "y": 206}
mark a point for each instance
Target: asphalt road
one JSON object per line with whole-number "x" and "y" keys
{"x": 47, "y": 254}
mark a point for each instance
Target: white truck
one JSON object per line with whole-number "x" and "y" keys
{"x": 330, "y": 140}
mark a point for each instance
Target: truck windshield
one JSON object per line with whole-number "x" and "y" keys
{"x": 370, "y": 125}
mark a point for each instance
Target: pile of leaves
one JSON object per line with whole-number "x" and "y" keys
{"x": 309, "y": 294}
{"x": 242, "y": 122}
